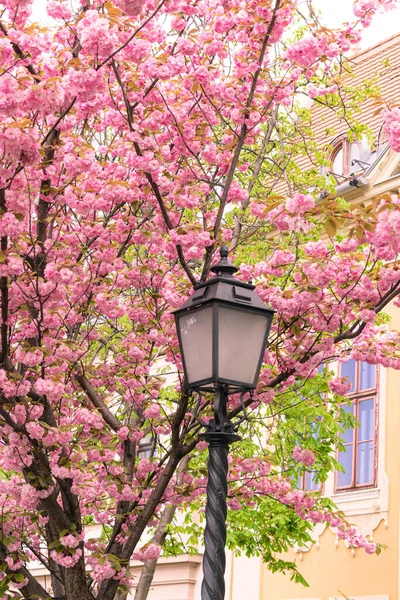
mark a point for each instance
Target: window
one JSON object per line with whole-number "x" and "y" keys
{"x": 307, "y": 482}
{"x": 147, "y": 446}
{"x": 349, "y": 157}
{"x": 359, "y": 456}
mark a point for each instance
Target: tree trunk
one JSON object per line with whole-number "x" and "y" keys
{"x": 122, "y": 595}
{"x": 147, "y": 573}
{"x": 149, "y": 567}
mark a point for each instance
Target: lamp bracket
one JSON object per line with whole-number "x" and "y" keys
{"x": 221, "y": 423}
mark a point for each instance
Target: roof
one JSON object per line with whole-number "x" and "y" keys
{"x": 381, "y": 61}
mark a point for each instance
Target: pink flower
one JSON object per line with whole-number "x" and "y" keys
{"x": 66, "y": 561}
{"x": 144, "y": 467}
{"x": 29, "y": 497}
{"x": 35, "y": 430}
{"x": 306, "y": 51}
{"x": 234, "y": 504}
{"x": 306, "y": 457}
{"x": 69, "y": 541}
{"x": 247, "y": 465}
{"x": 339, "y": 386}
{"x": 202, "y": 445}
{"x": 392, "y": 127}
{"x": 316, "y": 249}
{"x": 132, "y": 8}
{"x": 151, "y": 552}
{"x": 13, "y": 565}
{"x": 102, "y": 572}
{"x": 52, "y": 389}
{"x": 58, "y": 10}
{"x": 36, "y": 411}
{"x": 153, "y": 412}
{"x": 123, "y": 434}
{"x": 19, "y": 414}
{"x": 300, "y": 203}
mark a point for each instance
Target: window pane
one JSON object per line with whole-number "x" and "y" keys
{"x": 355, "y": 148}
{"x": 349, "y": 371}
{"x": 365, "y": 458}
{"x": 366, "y": 419}
{"x": 311, "y": 484}
{"x": 145, "y": 451}
{"x": 346, "y": 460}
{"x": 337, "y": 163}
{"x": 367, "y": 376}
{"x": 348, "y": 435}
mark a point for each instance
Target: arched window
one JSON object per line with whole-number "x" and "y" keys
{"x": 349, "y": 157}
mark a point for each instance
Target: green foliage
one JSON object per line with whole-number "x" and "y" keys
{"x": 305, "y": 414}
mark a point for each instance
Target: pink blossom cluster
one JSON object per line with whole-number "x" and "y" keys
{"x": 131, "y": 7}
{"x": 308, "y": 50}
{"x": 365, "y": 9}
{"x": 300, "y": 203}
{"x": 305, "y": 456}
{"x": 339, "y": 386}
{"x": 58, "y": 10}
{"x": 392, "y": 127}
{"x": 313, "y": 91}
{"x": 66, "y": 560}
{"x": 150, "y": 552}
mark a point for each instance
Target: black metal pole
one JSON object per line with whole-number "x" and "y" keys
{"x": 219, "y": 435}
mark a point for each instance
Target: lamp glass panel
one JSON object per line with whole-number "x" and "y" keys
{"x": 196, "y": 339}
{"x": 240, "y": 344}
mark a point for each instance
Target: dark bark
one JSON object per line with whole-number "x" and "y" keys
{"x": 149, "y": 567}
{"x": 3, "y": 292}
{"x": 109, "y": 588}
{"x": 76, "y": 584}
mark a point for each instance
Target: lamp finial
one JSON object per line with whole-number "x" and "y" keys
{"x": 224, "y": 267}
{"x": 223, "y": 252}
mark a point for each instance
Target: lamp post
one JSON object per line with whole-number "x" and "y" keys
{"x": 223, "y": 331}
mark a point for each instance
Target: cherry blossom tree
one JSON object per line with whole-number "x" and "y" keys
{"x": 136, "y": 137}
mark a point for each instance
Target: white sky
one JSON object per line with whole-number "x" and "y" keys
{"x": 334, "y": 13}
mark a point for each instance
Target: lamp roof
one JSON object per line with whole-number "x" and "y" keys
{"x": 225, "y": 288}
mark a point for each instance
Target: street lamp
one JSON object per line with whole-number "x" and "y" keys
{"x": 223, "y": 331}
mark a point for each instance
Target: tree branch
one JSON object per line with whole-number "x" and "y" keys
{"x": 4, "y": 292}
{"x": 20, "y": 54}
{"x": 239, "y": 145}
{"x": 32, "y": 589}
{"x": 99, "y": 403}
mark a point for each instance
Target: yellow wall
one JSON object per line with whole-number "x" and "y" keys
{"x": 330, "y": 570}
